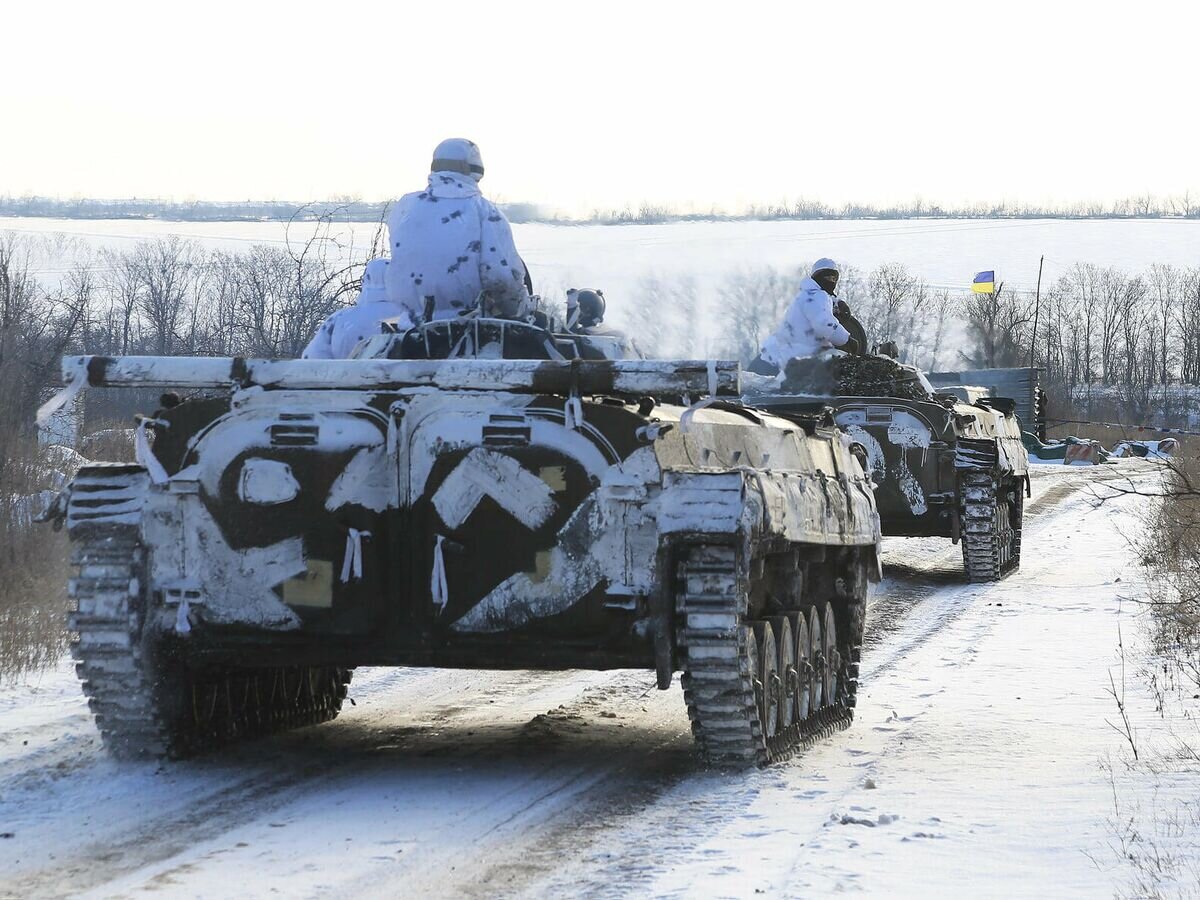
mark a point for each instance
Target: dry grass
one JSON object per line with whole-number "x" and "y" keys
{"x": 1171, "y": 554}
{"x": 1155, "y": 825}
{"x": 33, "y": 570}
{"x": 33, "y": 557}
{"x": 109, "y": 443}
{"x": 33, "y": 601}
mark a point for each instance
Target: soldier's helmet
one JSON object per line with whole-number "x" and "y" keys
{"x": 458, "y": 155}
{"x": 825, "y": 273}
{"x": 585, "y": 307}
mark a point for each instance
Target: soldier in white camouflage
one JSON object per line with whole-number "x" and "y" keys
{"x": 810, "y": 324}
{"x": 450, "y": 244}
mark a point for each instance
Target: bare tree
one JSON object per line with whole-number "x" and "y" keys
{"x": 891, "y": 288}
{"x": 1166, "y": 296}
{"x": 752, "y": 305}
{"x": 163, "y": 272}
{"x": 666, "y": 314}
{"x": 997, "y": 323}
{"x": 1118, "y": 293}
{"x": 935, "y": 325}
{"x": 122, "y": 289}
{"x": 36, "y": 328}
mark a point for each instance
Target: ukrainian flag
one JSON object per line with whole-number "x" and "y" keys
{"x": 984, "y": 283}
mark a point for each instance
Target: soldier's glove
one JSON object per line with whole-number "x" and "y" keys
{"x": 841, "y": 308}
{"x": 851, "y": 347}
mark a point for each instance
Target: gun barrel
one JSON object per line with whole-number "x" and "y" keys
{"x": 619, "y": 377}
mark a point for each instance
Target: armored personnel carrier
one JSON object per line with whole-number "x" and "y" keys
{"x": 941, "y": 467}
{"x": 436, "y": 502}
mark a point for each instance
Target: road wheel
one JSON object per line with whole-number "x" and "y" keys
{"x": 786, "y": 646}
{"x": 804, "y": 668}
{"x": 816, "y": 684}
{"x": 767, "y": 686}
{"x": 830, "y": 656}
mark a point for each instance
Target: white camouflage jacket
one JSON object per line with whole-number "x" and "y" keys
{"x": 450, "y": 243}
{"x": 341, "y": 332}
{"x": 808, "y": 327}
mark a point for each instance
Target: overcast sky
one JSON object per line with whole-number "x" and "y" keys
{"x": 598, "y": 104}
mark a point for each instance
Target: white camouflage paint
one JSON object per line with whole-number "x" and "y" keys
{"x": 910, "y": 487}
{"x": 237, "y": 585}
{"x": 369, "y": 481}
{"x": 632, "y": 377}
{"x": 267, "y": 482}
{"x": 247, "y": 428}
{"x": 910, "y": 433}
{"x": 436, "y": 423}
{"x": 610, "y": 537}
{"x": 875, "y": 459}
{"x": 573, "y": 572}
{"x": 904, "y": 430}
{"x": 615, "y": 534}
{"x": 485, "y": 473}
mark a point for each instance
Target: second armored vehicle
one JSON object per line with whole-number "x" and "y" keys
{"x": 941, "y": 467}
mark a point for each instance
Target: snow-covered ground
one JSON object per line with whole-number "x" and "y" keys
{"x": 977, "y": 765}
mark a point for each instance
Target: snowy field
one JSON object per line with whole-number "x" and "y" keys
{"x": 945, "y": 253}
{"x": 978, "y": 765}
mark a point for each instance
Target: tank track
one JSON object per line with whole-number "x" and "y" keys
{"x": 991, "y": 543}
{"x": 719, "y": 679}
{"x": 145, "y": 700}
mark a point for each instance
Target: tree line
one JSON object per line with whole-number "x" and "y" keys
{"x": 1109, "y": 341}
{"x": 1096, "y": 327}
{"x": 355, "y": 209}
{"x": 171, "y": 296}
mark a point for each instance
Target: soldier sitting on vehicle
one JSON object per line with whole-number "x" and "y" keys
{"x": 585, "y": 316}
{"x": 809, "y": 326}
{"x": 341, "y": 332}
{"x": 585, "y": 311}
{"x": 450, "y": 245}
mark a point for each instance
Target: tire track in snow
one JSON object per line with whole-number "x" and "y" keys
{"x": 96, "y": 862}
{"x": 409, "y": 717}
{"x": 932, "y": 571}
{"x": 548, "y": 769}
{"x": 922, "y": 595}
{"x": 926, "y": 592}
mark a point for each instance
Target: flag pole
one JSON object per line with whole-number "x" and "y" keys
{"x": 995, "y": 314}
{"x": 1037, "y": 306}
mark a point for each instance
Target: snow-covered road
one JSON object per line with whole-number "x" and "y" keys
{"x": 974, "y": 765}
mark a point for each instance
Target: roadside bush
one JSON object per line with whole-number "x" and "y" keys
{"x": 1154, "y": 825}
{"x": 33, "y": 563}
{"x": 1170, "y": 551}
